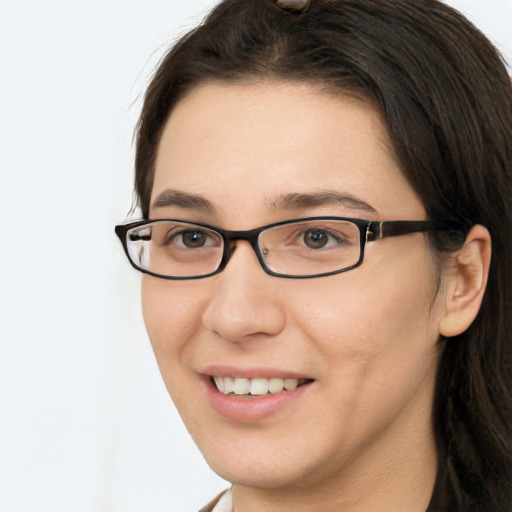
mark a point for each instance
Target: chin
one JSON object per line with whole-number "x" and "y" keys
{"x": 264, "y": 463}
{"x": 262, "y": 475}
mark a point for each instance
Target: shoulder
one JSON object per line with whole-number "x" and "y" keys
{"x": 210, "y": 506}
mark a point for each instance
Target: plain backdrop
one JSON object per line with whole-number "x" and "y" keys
{"x": 85, "y": 421}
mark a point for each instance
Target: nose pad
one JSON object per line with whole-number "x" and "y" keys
{"x": 228, "y": 252}
{"x": 241, "y": 303}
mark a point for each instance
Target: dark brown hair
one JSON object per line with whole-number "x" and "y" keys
{"x": 445, "y": 96}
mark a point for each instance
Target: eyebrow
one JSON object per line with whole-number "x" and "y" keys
{"x": 298, "y": 201}
{"x": 175, "y": 198}
{"x": 293, "y": 201}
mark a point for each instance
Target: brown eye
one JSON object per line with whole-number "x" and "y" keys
{"x": 316, "y": 239}
{"x": 193, "y": 239}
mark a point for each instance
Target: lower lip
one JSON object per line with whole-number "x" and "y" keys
{"x": 248, "y": 410}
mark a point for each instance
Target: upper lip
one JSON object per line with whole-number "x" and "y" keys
{"x": 226, "y": 370}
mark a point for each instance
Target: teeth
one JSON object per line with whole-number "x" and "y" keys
{"x": 255, "y": 387}
{"x": 290, "y": 384}
{"x": 219, "y": 382}
{"x": 229, "y": 385}
{"x": 259, "y": 386}
{"x": 275, "y": 385}
{"x": 242, "y": 386}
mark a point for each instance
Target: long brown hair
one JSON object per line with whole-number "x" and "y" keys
{"x": 445, "y": 95}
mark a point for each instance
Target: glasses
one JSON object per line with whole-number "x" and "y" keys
{"x": 298, "y": 248}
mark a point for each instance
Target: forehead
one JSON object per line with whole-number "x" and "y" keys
{"x": 243, "y": 147}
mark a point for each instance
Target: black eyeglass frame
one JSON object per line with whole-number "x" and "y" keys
{"x": 369, "y": 230}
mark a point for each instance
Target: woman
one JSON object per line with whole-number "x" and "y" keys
{"x": 323, "y": 353}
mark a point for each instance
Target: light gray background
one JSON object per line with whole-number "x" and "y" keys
{"x": 85, "y": 421}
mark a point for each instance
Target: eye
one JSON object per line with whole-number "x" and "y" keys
{"x": 319, "y": 239}
{"x": 315, "y": 239}
{"x": 190, "y": 239}
{"x": 193, "y": 239}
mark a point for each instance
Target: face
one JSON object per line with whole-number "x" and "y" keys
{"x": 361, "y": 345}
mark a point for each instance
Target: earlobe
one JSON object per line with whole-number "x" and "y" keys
{"x": 466, "y": 279}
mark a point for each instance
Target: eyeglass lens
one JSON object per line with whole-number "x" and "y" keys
{"x": 179, "y": 249}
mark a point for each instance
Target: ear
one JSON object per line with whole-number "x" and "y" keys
{"x": 465, "y": 279}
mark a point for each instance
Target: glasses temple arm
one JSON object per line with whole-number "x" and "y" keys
{"x": 376, "y": 230}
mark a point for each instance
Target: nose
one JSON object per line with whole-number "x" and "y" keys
{"x": 244, "y": 303}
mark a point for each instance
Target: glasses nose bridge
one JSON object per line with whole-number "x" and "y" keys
{"x": 230, "y": 239}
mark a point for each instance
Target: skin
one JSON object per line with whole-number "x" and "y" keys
{"x": 360, "y": 437}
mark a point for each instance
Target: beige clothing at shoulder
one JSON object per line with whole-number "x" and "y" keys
{"x": 222, "y": 503}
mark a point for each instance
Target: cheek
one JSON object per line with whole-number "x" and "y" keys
{"x": 380, "y": 356}
{"x": 385, "y": 309}
{"x": 377, "y": 329}
{"x": 171, "y": 315}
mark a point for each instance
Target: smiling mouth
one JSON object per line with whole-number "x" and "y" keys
{"x": 257, "y": 387}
